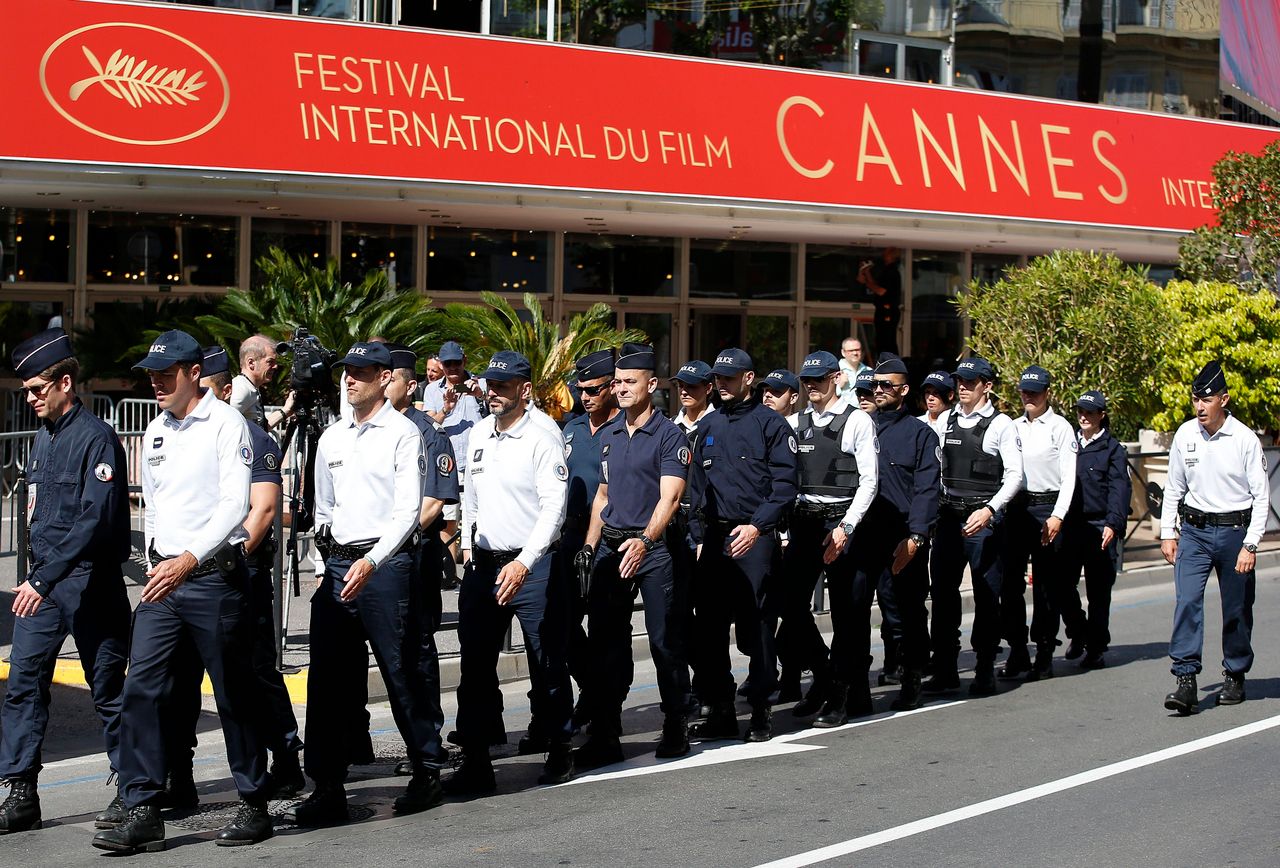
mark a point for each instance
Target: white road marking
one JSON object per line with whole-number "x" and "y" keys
{"x": 999, "y": 803}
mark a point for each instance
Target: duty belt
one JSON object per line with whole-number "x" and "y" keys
{"x": 331, "y": 550}
{"x": 807, "y": 509}
{"x": 1039, "y": 498}
{"x": 496, "y": 559}
{"x": 1196, "y": 518}
{"x": 964, "y": 503}
{"x": 724, "y": 525}
{"x": 616, "y": 536}
{"x": 222, "y": 561}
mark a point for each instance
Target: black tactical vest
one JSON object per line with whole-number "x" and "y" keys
{"x": 968, "y": 471}
{"x": 824, "y": 467}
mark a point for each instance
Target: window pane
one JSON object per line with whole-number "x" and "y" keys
{"x": 622, "y": 265}
{"x": 368, "y": 246}
{"x": 527, "y": 18}
{"x": 935, "y": 324}
{"x": 108, "y": 347}
{"x": 828, "y": 333}
{"x": 879, "y": 59}
{"x": 767, "y": 342}
{"x": 741, "y": 270}
{"x": 831, "y": 272}
{"x": 35, "y": 245}
{"x": 148, "y": 249}
{"x": 658, "y": 327}
{"x": 306, "y": 238}
{"x": 20, "y": 320}
{"x": 496, "y": 260}
{"x": 923, "y": 64}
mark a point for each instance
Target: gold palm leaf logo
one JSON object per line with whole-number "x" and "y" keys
{"x": 137, "y": 82}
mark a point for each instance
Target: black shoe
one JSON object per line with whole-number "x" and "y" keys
{"x": 326, "y": 806}
{"x": 1018, "y": 664}
{"x": 761, "y": 726}
{"x": 722, "y": 722}
{"x": 531, "y": 744}
{"x": 252, "y": 824}
{"x": 423, "y": 793}
{"x": 112, "y": 816}
{"x": 908, "y": 698}
{"x": 1186, "y": 698}
{"x": 473, "y": 778}
{"x": 404, "y": 768}
{"x": 558, "y": 769}
{"x": 1232, "y": 689}
{"x": 599, "y": 750}
{"x": 180, "y": 792}
{"x": 285, "y": 779}
{"x": 1043, "y": 668}
{"x": 675, "y": 737}
{"x": 1093, "y": 661}
{"x": 942, "y": 682}
{"x": 745, "y": 689}
{"x": 891, "y": 674}
{"x": 813, "y": 700}
{"x": 834, "y": 711}
{"x": 859, "y": 702}
{"x": 21, "y": 811}
{"x": 984, "y": 680}
{"x": 362, "y": 754}
{"x": 1075, "y": 650}
{"x": 141, "y": 831}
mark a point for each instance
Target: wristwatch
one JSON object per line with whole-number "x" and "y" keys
{"x": 649, "y": 544}
{"x": 847, "y": 528}
{"x": 919, "y": 539}
{"x": 1251, "y": 548}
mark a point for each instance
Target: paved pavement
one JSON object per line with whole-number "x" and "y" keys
{"x": 1087, "y": 768}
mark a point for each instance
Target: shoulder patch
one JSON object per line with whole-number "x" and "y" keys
{"x": 157, "y": 443}
{"x": 684, "y": 455}
{"x": 270, "y": 460}
{"x": 562, "y": 472}
{"x": 604, "y": 451}
{"x": 568, "y": 449}
{"x": 1018, "y": 441}
{"x": 444, "y": 465}
{"x": 792, "y": 445}
{"x": 568, "y": 438}
{"x": 875, "y": 441}
{"x": 1075, "y": 445}
{"x": 104, "y": 473}
{"x": 422, "y": 465}
{"x": 246, "y": 454}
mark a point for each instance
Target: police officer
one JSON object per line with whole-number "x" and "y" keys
{"x": 981, "y": 472}
{"x": 368, "y": 483}
{"x": 644, "y": 460}
{"x": 744, "y": 482}
{"x": 939, "y": 391}
{"x": 456, "y": 403}
{"x": 196, "y": 476}
{"x": 893, "y": 540}
{"x": 513, "y": 508}
{"x": 838, "y": 475}
{"x": 1094, "y": 527}
{"x": 439, "y": 489}
{"x": 1033, "y": 529}
{"x": 863, "y": 391}
{"x": 780, "y": 392}
{"x": 78, "y": 506}
{"x": 1218, "y": 488}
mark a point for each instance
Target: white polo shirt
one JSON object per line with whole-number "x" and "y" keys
{"x": 938, "y": 425}
{"x": 1001, "y": 439}
{"x": 246, "y": 398}
{"x": 859, "y": 440}
{"x": 515, "y": 488}
{"x": 195, "y": 479}
{"x": 369, "y": 480}
{"x": 1223, "y": 473}
{"x": 1049, "y": 450}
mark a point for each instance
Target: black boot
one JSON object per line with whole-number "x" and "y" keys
{"x": 1018, "y": 664}
{"x": 180, "y": 792}
{"x": 285, "y": 779}
{"x": 1232, "y": 689}
{"x": 892, "y": 672}
{"x": 788, "y": 688}
{"x": 21, "y": 811}
{"x": 1093, "y": 661}
{"x": 813, "y": 699}
{"x": 945, "y": 678}
{"x": 1186, "y": 698}
{"x": 112, "y": 816}
{"x": 326, "y": 806}
{"x": 984, "y": 678}
{"x": 1075, "y": 649}
{"x": 675, "y": 737}
{"x": 761, "y": 726}
{"x": 558, "y": 768}
{"x": 722, "y": 722}
{"x": 834, "y": 712}
{"x": 909, "y": 697}
{"x": 533, "y": 741}
{"x": 1043, "y": 668}
{"x": 599, "y": 750}
{"x": 858, "y": 703}
{"x": 423, "y": 793}
{"x": 251, "y": 824}
{"x": 474, "y": 777}
{"x": 404, "y": 768}
{"x": 141, "y": 831}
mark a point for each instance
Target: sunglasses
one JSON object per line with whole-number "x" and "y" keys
{"x": 37, "y": 391}
{"x": 887, "y": 385}
{"x": 592, "y": 391}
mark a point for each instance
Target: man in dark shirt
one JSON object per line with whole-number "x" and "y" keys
{"x": 883, "y": 280}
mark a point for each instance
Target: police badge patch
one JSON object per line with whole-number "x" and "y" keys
{"x": 104, "y": 473}
{"x": 684, "y": 455}
{"x": 246, "y": 455}
{"x": 562, "y": 472}
{"x": 792, "y": 445}
{"x": 422, "y": 465}
{"x": 270, "y": 460}
{"x": 444, "y": 464}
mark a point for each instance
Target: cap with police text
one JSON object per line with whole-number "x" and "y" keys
{"x": 974, "y": 368}
{"x": 819, "y": 364}
{"x": 865, "y": 382}
{"x": 507, "y": 365}
{"x": 215, "y": 362}
{"x": 636, "y": 357}
{"x": 1035, "y": 379}
{"x": 402, "y": 357}
{"x": 595, "y": 365}
{"x": 781, "y": 379}
{"x": 939, "y": 380}
{"x": 172, "y": 348}
{"x": 364, "y": 354}
{"x": 41, "y": 352}
{"x": 1211, "y": 380}
{"x": 731, "y": 362}
{"x": 694, "y": 373}
{"x": 451, "y": 351}
{"x": 891, "y": 364}
{"x": 1092, "y": 400}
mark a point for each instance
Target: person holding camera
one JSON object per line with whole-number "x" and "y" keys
{"x": 455, "y": 402}
{"x": 258, "y": 365}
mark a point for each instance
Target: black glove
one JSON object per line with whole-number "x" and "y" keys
{"x": 582, "y": 561}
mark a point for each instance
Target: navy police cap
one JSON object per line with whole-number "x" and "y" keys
{"x": 1092, "y": 400}
{"x": 215, "y": 362}
{"x": 694, "y": 373}
{"x": 891, "y": 364}
{"x": 507, "y": 365}
{"x": 1035, "y": 379}
{"x": 974, "y": 368}
{"x": 782, "y": 379}
{"x": 41, "y": 352}
{"x": 172, "y": 348}
{"x": 1211, "y": 380}
{"x": 595, "y": 365}
{"x": 731, "y": 362}
{"x": 403, "y": 357}
{"x": 939, "y": 380}
{"x": 819, "y": 364}
{"x": 636, "y": 357}
{"x": 365, "y": 353}
{"x": 865, "y": 381}
{"x": 451, "y": 351}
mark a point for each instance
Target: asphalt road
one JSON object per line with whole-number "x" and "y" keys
{"x": 1087, "y": 768}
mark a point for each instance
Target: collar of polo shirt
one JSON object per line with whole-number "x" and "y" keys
{"x": 200, "y": 411}
{"x": 516, "y": 430}
{"x": 379, "y": 418}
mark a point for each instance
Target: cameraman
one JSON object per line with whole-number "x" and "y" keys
{"x": 258, "y": 366}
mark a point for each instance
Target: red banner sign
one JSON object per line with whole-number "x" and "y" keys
{"x": 101, "y": 82}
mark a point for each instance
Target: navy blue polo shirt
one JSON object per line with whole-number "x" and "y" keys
{"x": 632, "y": 465}
{"x": 440, "y": 475}
{"x": 267, "y": 457}
{"x": 582, "y": 455}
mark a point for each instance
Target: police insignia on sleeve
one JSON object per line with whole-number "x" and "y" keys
{"x": 157, "y": 443}
{"x": 792, "y": 445}
{"x": 104, "y": 473}
{"x": 270, "y": 460}
{"x": 1075, "y": 447}
{"x": 246, "y": 455}
{"x": 684, "y": 455}
{"x": 875, "y": 441}
{"x": 562, "y": 472}
{"x": 444, "y": 464}
{"x": 422, "y": 465}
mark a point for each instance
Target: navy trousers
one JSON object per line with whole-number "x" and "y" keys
{"x": 1201, "y": 551}
{"x": 1083, "y": 550}
{"x": 800, "y": 644}
{"x": 875, "y": 542}
{"x": 952, "y": 552}
{"x": 93, "y": 608}
{"x": 1024, "y": 524}
{"x": 214, "y": 612}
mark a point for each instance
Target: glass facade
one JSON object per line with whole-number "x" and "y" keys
{"x": 619, "y": 265}
{"x": 162, "y": 249}
{"x": 370, "y": 246}
{"x": 493, "y": 260}
{"x": 305, "y": 239}
{"x": 35, "y": 245}
{"x": 741, "y": 270}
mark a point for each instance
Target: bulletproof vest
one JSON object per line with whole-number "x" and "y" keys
{"x": 967, "y": 471}
{"x": 824, "y": 467}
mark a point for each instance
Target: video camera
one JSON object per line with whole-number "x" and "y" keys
{"x": 310, "y": 374}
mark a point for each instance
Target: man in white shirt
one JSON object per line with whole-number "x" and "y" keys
{"x": 258, "y": 366}
{"x": 196, "y": 459}
{"x": 1033, "y": 529}
{"x": 455, "y": 402}
{"x": 368, "y": 483}
{"x": 939, "y": 392}
{"x": 1218, "y": 487}
{"x": 852, "y": 363}
{"x": 981, "y": 472}
{"x": 514, "y": 497}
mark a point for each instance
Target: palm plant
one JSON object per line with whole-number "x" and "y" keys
{"x": 497, "y": 325}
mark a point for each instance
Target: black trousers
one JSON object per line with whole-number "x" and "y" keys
{"x": 1024, "y": 523}
{"x": 736, "y": 590}
{"x": 214, "y": 613}
{"x": 875, "y": 542}
{"x": 388, "y": 614}
{"x": 609, "y": 608}
{"x": 684, "y": 567}
{"x": 799, "y": 641}
{"x": 1083, "y": 550}
{"x": 953, "y": 551}
{"x": 93, "y": 607}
